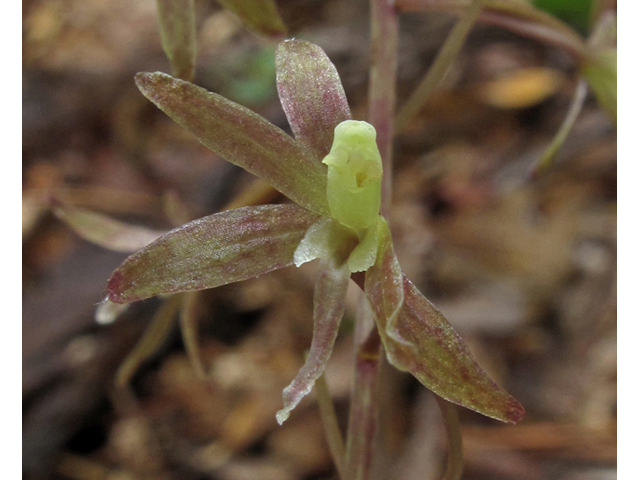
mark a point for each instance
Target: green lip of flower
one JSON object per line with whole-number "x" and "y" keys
{"x": 332, "y": 170}
{"x": 355, "y": 175}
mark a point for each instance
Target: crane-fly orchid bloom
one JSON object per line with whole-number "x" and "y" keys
{"x": 332, "y": 171}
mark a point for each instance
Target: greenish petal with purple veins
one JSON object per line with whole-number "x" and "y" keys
{"x": 419, "y": 340}
{"x": 329, "y": 301}
{"x": 311, "y": 94}
{"x": 212, "y": 251}
{"x": 242, "y": 137}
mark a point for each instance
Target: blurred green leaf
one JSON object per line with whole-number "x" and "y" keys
{"x": 249, "y": 79}
{"x": 600, "y": 67}
{"x": 260, "y": 16}
{"x": 576, "y": 13}
{"x": 178, "y": 32}
{"x": 216, "y": 250}
{"x": 601, "y": 71}
{"x": 242, "y": 137}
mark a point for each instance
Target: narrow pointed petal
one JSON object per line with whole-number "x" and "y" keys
{"x": 447, "y": 366}
{"x": 216, "y": 250}
{"x": 329, "y": 301}
{"x": 178, "y": 32}
{"x": 311, "y": 94}
{"x": 105, "y": 231}
{"x": 419, "y": 340}
{"x": 242, "y": 137}
{"x": 261, "y": 16}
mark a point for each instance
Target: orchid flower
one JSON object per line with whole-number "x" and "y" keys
{"x": 332, "y": 171}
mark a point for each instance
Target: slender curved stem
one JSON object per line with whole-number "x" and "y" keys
{"x": 446, "y": 56}
{"x": 151, "y": 339}
{"x": 382, "y": 87}
{"x": 331, "y": 428}
{"x": 516, "y": 16}
{"x": 382, "y": 100}
{"x": 363, "y": 412}
{"x": 189, "y": 317}
{"x": 579, "y": 96}
{"x": 455, "y": 462}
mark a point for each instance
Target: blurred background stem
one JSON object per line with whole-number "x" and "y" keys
{"x": 455, "y": 465}
{"x": 331, "y": 427}
{"x": 445, "y": 58}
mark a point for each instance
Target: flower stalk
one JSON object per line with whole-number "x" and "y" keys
{"x": 331, "y": 427}
{"x": 455, "y": 461}
{"x": 382, "y": 103}
{"x": 382, "y": 86}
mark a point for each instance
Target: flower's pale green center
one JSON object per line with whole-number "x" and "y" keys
{"x": 354, "y": 179}
{"x": 355, "y": 175}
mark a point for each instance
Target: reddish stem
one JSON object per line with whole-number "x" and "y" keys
{"x": 382, "y": 99}
{"x": 382, "y": 86}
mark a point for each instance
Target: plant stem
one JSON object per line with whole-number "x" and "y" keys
{"x": 331, "y": 428}
{"x": 519, "y": 17}
{"x": 455, "y": 463}
{"x": 579, "y": 96}
{"x": 152, "y": 338}
{"x": 363, "y": 411}
{"x": 382, "y": 86}
{"x": 445, "y": 58}
{"x": 189, "y": 316}
{"x": 382, "y": 100}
